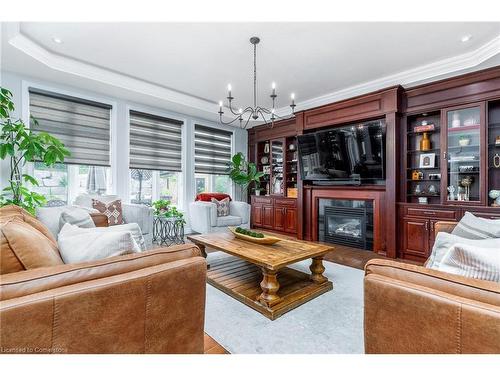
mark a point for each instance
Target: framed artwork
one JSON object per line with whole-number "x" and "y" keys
{"x": 427, "y": 160}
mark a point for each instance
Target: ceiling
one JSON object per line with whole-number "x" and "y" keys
{"x": 186, "y": 66}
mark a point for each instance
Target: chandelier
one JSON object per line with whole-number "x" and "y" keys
{"x": 254, "y": 112}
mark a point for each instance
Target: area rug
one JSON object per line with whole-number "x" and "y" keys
{"x": 330, "y": 323}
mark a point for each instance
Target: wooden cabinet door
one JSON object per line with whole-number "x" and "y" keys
{"x": 279, "y": 218}
{"x": 256, "y": 215}
{"x": 267, "y": 217}
{"x": 291, "y": 220}
{"x": 416, "y": 237}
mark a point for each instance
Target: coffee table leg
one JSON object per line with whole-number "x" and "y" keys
{"x": 317, "y": 270}
{"x": 203, "y": 252}
{"x": 270, "y": 287}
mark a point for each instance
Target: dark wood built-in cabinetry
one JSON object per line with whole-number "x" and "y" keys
{"x": 432, "y": 177}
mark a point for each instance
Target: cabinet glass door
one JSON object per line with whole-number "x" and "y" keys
{"x": 464, "y": 164}
{"x": 277, "y": 152}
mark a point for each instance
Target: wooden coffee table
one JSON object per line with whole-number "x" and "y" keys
{"x": 258, "y": 276}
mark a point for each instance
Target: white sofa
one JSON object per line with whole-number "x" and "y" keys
{"x": 203, "y": 216}
{"x": 132, "y": 213}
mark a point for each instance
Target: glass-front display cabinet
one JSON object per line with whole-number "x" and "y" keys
{"x": 464, "y": 165}
{"x": 277, "y": 155}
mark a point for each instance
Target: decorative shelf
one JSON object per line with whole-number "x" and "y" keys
{"x": 464, "y": 128}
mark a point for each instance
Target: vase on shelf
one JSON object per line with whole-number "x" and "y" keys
{"x": 425, "y": 142}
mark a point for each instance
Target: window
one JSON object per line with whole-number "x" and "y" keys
{"x": 84, "y": 127}
{"x": 212, "y": 152}
{"x": 147, "y": 186}
{"x": 64, "y": 182}
{"x": 155, "y": 158}
{"x": 212, "y": 183}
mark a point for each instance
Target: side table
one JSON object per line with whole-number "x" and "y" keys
{"x": 168, "y": 230}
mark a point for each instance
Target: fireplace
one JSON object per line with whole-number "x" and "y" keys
{"x": 346, "y": 222}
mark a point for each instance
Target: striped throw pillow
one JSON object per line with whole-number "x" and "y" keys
{"x": 477, "y": 228}
{"x": 472, "y": 261}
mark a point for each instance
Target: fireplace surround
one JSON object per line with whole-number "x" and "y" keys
{"x": 346, "y": 222}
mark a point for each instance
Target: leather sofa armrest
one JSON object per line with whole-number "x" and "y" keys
{"x": 445, "y": 226}
{"x": 100, "y": 219}
{"x": 412, "y": 309}
{"x": 23, "y": 283}
{"x": 155, "y": 309}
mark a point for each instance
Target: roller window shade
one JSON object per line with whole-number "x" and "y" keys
{"x": 155, "y": 142}
{"x": 82, "y": 125}
{"x": 212, "y": 150}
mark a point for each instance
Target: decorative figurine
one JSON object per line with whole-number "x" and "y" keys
{"x": 496, "y": 160}
{"x": 495, "y": 194}
{"x": 432, "y": 189}
{"x": 466, "y": 182}
{"x": 417, "y": 189}
{"x": 451, "y": 196}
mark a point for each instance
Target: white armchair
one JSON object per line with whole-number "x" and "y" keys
{"x": 203, "y": 216}
{"x": 132, "y": 213}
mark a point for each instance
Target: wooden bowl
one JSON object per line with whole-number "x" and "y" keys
{"x": 267, "y": 240}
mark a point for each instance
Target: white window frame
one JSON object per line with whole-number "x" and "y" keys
{"x": 25, "y": 115}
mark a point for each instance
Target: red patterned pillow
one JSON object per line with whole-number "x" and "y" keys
{"x": 207, "y": 197}
{"x": 112, "y": 210}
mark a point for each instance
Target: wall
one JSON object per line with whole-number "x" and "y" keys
{"x": 18, "y": 85}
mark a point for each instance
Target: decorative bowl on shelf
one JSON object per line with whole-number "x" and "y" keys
{"x": 265, "y": 240}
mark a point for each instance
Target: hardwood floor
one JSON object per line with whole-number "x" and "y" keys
{"x": 213, "y": 347}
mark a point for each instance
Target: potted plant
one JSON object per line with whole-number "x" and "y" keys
{"x": 164, "y": 208}
{"x": 244, "y": 173}
{"x": 464, "y": 140}
{"x": 21, "y": 145}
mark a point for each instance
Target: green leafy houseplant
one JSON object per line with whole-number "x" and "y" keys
{"x": 244, "y": 173}
{"x": 21, "y": 145}
{"x": 163, "y": 207}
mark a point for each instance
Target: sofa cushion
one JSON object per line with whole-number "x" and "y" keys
{"x": 113, "y": 210}
{"x": 88, "y": 244}
{"x": 472, "y": 261}
{"x": 133, "y": 228}
{"x": 23, "y": 247}
{"x": 11, "y": 211}
{"x": 51, "y": 217}
{"x": 444, "y": 241}
{"x": 207, "y": 197}
{"x": 477, "y": 228}
{"x": 76, "y": 216}
{"x": 224, "y": 221}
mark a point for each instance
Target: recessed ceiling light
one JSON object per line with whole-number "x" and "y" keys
{"x": 466, "y": 38}
{"x": 57, "y": 40}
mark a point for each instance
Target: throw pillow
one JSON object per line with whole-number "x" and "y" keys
{"x": 12, "y": 211}
{"x": 444, "y": 241}
{"x": 112, "y": 210}
{"x": 222, "y": 206}
{"x": 472, "y": 261}
{"x": 76, "y": 216}
{"x": 23, "y": 247}
{"x": 133, "y": 228}
{"x": 207, "y": 197}
{"x": 477, "y": 228}
{"x": 87, "y": 244}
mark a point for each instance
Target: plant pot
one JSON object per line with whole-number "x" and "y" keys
{"x": 257, "y": 193}
{"x": 464, "y": 142}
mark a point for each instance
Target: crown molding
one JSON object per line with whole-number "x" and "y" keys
{"x": 412, "y": 76}
{"x": 449, "y": 65}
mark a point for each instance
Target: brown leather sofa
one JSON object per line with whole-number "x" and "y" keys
{"x": 413, "y": 309}
{"x": 150, "y": 302}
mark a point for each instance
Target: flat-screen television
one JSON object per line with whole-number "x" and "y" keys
{"x": 353, "y": 154}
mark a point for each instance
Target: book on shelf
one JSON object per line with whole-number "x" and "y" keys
{"x": 424, "y": 128}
